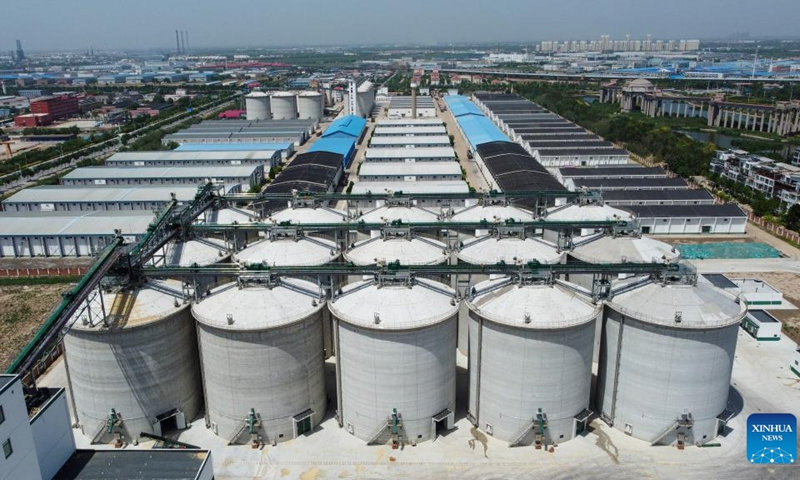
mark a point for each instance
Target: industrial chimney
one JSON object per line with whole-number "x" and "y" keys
{"x": 178, "y": 41}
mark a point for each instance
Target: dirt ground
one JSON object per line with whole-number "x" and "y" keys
{"x": 789, "y": 284}
{"x": 23, "y": 309}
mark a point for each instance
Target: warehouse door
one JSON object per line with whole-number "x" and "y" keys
{"x": 302, "y": 423}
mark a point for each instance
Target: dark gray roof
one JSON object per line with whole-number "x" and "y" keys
{"x": 634, "y": 194}
{"x": 515, "y": 170}
{"x": 580, "y": 152}
{"x": 575, "y": 137}
{"x": 719, "y": 280}
{"x": 650, "y": 211}
{"x": 552, "y": 131}
{"x": 491, "y": 96}
{"x": 629, "y": 182}
{"x": 133, "y": 465}
{"x": 611, "y": 172}
{"x": 762, "y": 316}
{"x": 567, "y": 145}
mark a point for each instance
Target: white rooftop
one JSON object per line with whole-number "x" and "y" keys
{"x": 487, "y": 250}
{"x": 406, "y": 214}
{"x": 257, "y": 307}
{"x": 409, "y": 168}
{"x": 584, "y": 213}
{"x": 632, "y": 249}
{"x": 227, "y": 216}
{"x": 300, "y": 216}
{"x": 700, "y": 306}
{"x": 210, "y": 171}
{"x": 129, "y": 309}
{"x": 400, "y": 141}
{"x": 546, "y": 306}
{"x": 416, "y": 251}
{"x": 397, "y": 307}
{"x": 98, "y": 222}
{"x": 408, "y": 130}
{"x": 409, "y": 121}
{"x": 454, "y": 186}
{"x": 492, "y": 213}
{"x": 262, "y": 156}
{"x": 67, "y": 193}
{"x": 200, "y": 251}
{"x": 403, "y": 153}
{"x": 306, "y": 251}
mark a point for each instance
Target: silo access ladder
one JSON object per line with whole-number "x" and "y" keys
{"x": 539, "y": 422}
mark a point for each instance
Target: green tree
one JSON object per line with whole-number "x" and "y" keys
{"x": 792, "y": 218}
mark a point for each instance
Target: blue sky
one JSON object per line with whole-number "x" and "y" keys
{"x": 68, "y": 24}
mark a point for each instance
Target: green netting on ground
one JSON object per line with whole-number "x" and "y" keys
{"x": 701, "y": 251}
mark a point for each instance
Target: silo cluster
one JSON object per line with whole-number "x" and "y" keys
{"x": 254, "y": 350}
{"x": 284, "y": 105}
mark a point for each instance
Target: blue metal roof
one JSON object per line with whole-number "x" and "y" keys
{"x": 460, "y": 105}
{"x": 345, "y": 147}
{"x": 232, "y": 147}
{"x": 349, "y": 126}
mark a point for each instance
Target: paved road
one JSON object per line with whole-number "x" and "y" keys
{"x": 474, "y": 176}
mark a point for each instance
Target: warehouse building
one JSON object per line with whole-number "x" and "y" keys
{"x": 627, "y": 184}
{"x": 684, "y": 219}
{"x": 627, "y": 171}
{"x": 401, "y": 107}
{"x": 409, "y": 172}
{"x": 67, "y": 235}
{"x": 285, "y": 149}
{"x": 60, "y": 198}
{"x": 657, "y": 197}
{"x": 341, "y": 138}
{"x": 433, "y": 154}
{"x": 410, "y": 122}
{"x": 411, "y": 142}
{"x": 560, "y": 157}
{"x": 382, "y": 131}
{"x": 472, "y": 123}
{"x": 232, "y": 176}
{"x": 269, "y": 158}
{"x": 212, "y": 132}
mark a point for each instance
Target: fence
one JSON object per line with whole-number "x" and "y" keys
{"x": 43, "y": 272}
{"x": 777, "y": 230}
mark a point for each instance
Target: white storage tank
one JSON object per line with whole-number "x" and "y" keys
{"x": 530, "y": 353}
{"x": 408, "y": 249}
{"x": 198, "y": 251}
{"x": 141, "y": 363}
{"x": 283, "y": 106}
{"x": 261, "y": 350}
{"x": 257, "y": 105}
{"x": 666, "y": 357}
{"x": 583, "y": 213}
{"x": 304, "y": 215}
{"x": 490, "y": 249}
{"x": 294, "y": 250}
{"x": 396, "y": 350}
{"x": 310, "y": 105}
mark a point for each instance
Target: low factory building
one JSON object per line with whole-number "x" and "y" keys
{"x": 246, "y": 175}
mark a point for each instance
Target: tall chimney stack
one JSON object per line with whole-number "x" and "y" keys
{"x": 178, "y": 41}
{"x": 186, "y": 43}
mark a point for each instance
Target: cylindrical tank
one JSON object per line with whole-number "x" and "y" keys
{"x": 309, "y": 105}
{"x": 141, "y": 363}
{"x": 410, "y": 250}
{"x": 261, "y": 350}
{"x": 582, "y": 213}
{"x": 295, "y": 251}
{"x": 396, "y": 350}
{"x": 490, "y": 249}
{"x": 257, "y": 105}
{"x": 199, "y": 251}
{"x": 283, "y": 106}
{"x": 303, "y": 215}
{"x": 530, "y": 352}
{"x": 666, "y": 357}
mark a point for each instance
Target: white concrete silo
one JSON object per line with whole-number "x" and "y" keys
{"x": 261, "y": 349}
{"x": 666, "y": 357}
{"x": 396, "y": 349}
{"x": 408, "y": 249}
{"x": 257, "y": 105}
{"x": 530, "y": 353}
{"x": 491, "y": 248}
{"x": 305, "y": 215}
{"x": 310, "y": 105}
{"x": 294, "y": 250}
{"x": 141, "y": 363}
{"x": 582, "y": 213}
{"x": 283, "y": 106}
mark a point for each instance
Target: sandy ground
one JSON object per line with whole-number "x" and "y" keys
{"x": 23, "y": 309}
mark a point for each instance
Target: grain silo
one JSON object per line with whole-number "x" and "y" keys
{"x": 283, "y": 106}
{"x": 405, "y": 214}
{"x": 666, "y": 357}
{"x": 262, "y": 359}
{"x": 293, "y": 249}
{"x": 257, "y": 105}
{"x": 582, "y": 213}
{"x": 198, "y": 251}
{"x": 304, "y": 215}
{"x": 407, "y": 248}
{"x": 309, "y": 105}
{"x": 396, "y": 358}
{"x": 492, "y": 248}
{"x": 140, "y": 363}
{"x": 530, "y": 360}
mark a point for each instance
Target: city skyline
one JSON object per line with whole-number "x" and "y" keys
{"x": 151, "y": 25}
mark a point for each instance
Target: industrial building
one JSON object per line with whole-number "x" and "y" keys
{"x": 432, "y": 154}
{"x": 215, "y": 132}
{"x": 410, "y": 122}
{"x": 385, "y": 131}
{"x": 432, "y": 141}
{"x": 625, "y": 184}
{"x": 57, "y": 107}
{"x": 60, "y": 198}
{"x": 285, "y": 149}
{"x": 233, "y": 176}
{"x": 268, "y": 158}
{"x": 657, "y": 197}
{"x": 409, "y": 172}
{"x": 67, "y": 235}
{"x": 365, "y": 98}
{"x": 682, "y": 219}
{"x": 341, "y": 138}
{"x": 402, "y": 107}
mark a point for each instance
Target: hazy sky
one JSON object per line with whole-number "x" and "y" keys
{"x": 76, "y": 24}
